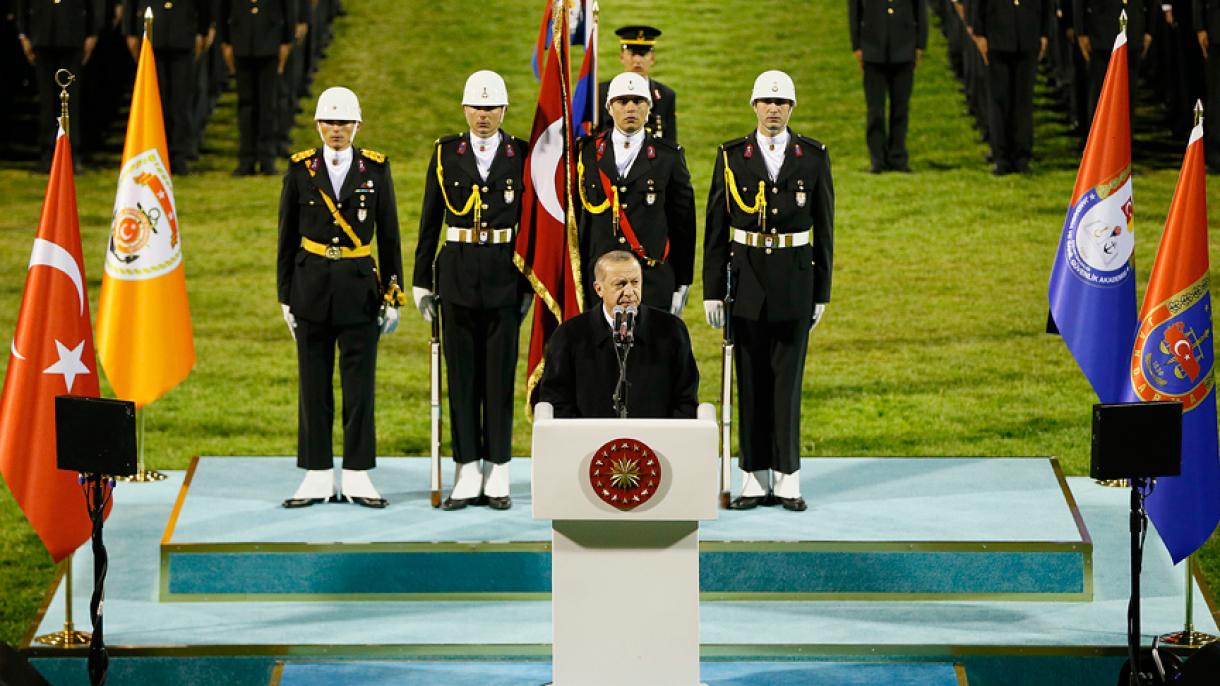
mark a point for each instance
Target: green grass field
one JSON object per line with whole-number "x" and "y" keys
{"x": 932, "y": 344}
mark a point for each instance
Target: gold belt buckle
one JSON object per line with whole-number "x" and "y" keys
{"x": 483, "y": 235}
{"x": 333, "y": 252}
{"x": 768, "y": 241}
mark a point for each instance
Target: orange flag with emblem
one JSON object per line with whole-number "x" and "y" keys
{"x": 144, "y": 337}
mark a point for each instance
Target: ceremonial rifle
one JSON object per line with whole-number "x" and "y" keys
{"x": 726, "y": 392}
{"x": 435, "y": 345}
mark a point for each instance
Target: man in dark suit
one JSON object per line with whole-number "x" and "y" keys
{"x": 54, "y": 35}
{"x": 581, "y": 369}
{"x": 1207, "y": 28}
{"x": 888, "y": 38}
{"x": 1013, "y": 38}
{"x": 637, "y": 52}
{"x": 770, "y": 215}
{"x": 178, "y": 32}
{"x": 1096, "y": 23}
{"x": 472, "y": 201}
{"x": 255, "y": 39}
{"x": 336, "y": 201}
{"x": 635, "y": 194}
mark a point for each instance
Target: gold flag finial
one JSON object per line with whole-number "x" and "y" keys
{"x": 148, "y": 22}
{"x": 1122, "y": 22}
{"x": 557, "y": 23}
{"x": 1198, "y": 112}
{"x": 64, "y": 78}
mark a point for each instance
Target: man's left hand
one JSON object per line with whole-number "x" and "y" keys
{"x": 526, "y": 301}
{"x": 679, "y": 301}
{"x": 818, "y": 310}
{"x": 388, "y": 320}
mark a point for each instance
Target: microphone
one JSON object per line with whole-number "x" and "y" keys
{"x": 619, "y": 315}
{"x": 628, "y": 327}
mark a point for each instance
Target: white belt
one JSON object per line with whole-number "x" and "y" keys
{"x": 770, "y": 240}
{"x": 479, "y": 236}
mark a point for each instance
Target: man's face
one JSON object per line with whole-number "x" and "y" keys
{"x": 621, "y": 283}
{"x": 629, "y": 113}
{"x": 640, "y": 63}
{"x": 484, "y": 121}
{"x": 773, "y": 115}
{"x": 337, "y": 134}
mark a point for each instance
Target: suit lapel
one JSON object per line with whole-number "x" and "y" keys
{"x": 498, "y": 161}
{"x": 789, "y": 164}
{"x": 755, "y": 163}
{"x": 321, "y": 178}
{"x": 467, "y": 161}
{"x": 606, "y": 163}
{"x": 641, "y": 164}
{"x": 353, "y": 178}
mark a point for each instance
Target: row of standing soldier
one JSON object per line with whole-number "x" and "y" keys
{"x": 770, "y": 214}
{"x": 271, "y": 46}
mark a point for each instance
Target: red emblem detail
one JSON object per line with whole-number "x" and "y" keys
{"x": 800, "y": 152}
{"x": 625, "y": 473}
{"x": 652, "y": 153}
{"x": 461, "y": 148}
{"x": 601, "y": 147}
{"x": 509, "y": 151}
{"x": 749, "y": 151}
{"x": 313, "y": 164}
{"x": 656, "y": 93}
{"x": 360, "y": 164}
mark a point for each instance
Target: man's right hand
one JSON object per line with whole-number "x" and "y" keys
{"x": 1086, "y": 47}
{"x": 425, "y": 302}
{"x": 1203, "y": 42}
{"x": 28, "y": 48}
{"x": 714, "y": 311}
{"x": 226, "y": 51}
{"x": 290, "y": 320}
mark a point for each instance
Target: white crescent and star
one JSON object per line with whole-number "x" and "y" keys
{"x": 1178, "y": 351}
{"x": 53, "y": 255}
{"x": 69, "y": 363}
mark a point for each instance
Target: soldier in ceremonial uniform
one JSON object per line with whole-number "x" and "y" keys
{"x": 1096, "y": 24}
{"x": 256, "y": 39}
{"x": 888, "y": 38}
{"x": 336, "y": 200}
{"x": 1012, "y": 36}
{"x": 472, "y": 200}
{"x": 1207, "y": 28}
{"x": 635, "y": 194}
{"x": 770, "y": 215}
{"x": 179, "y": 28}
{"x": 637, "y": 52}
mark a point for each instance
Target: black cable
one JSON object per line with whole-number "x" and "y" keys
{"x": 98, "y": 490}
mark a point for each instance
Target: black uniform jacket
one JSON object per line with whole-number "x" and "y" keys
{"x": 1207, "y": 18}
{"x": 59, "y": 23}
{"x": 255, "y": 28}
{"x": 786, "y": 281}
{"x": 344, "y": 291}
{"x": 662, "y": 115}
{"x": 1012, "y": 27}
{"x": 175, "y": 24}
{"x": 582, "y": 370}
{"x": 659, "y": 202}
{"x": 888, "y": 30}
{"x": 469, "y": 275}
{"x": 1098, "y": 19}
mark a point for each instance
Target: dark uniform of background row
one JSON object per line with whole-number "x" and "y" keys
{"x": 662, "y": 114}
{"x": 888, "y": 32}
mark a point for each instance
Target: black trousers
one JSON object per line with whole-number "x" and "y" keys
{"x": 316, "y": 407}
{"x": 47, "y": 61}
{"x": 887, "y": 145}
{"x": 770, "y": 365}
{"x": 1010, "y": 111}
{"x": 481, "y": 361}
{"x": 1211, "y": 124}
{"x": 257, "y": 91}
{"x": 1099, "y": 62}
{"x": 176, "y": 79}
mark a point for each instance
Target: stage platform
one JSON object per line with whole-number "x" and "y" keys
{"x": 1064, "y": 640}
{"x": 879, "y": 529}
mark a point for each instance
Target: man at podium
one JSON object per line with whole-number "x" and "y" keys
{"x": 582, "y": 367}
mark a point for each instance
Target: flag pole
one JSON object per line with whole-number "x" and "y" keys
{"x": 68, "y": 636}
{"x": 1188, "y": 636}
{"x": 143, "y": 474}
{"x": 595, "y": 87}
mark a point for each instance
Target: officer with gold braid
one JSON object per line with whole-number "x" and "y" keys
{"x": 770, "y": 215}
{"x": 635, "y": 195}
{"x": 336, "y": 201}
{"x": 471, "y": 206}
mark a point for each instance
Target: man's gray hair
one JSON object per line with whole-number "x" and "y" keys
{"x": 612, "y": 257}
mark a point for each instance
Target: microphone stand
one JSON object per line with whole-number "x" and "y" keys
{"x": 623, "y": 339}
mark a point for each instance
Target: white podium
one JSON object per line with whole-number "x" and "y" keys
{"x": 625, "y": 497}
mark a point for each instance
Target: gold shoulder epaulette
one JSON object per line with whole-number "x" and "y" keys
{"x": 378, "y": 157}
{"x": 303, "y": 155}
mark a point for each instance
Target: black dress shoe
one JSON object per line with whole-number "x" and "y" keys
{"x": 179, "y": 167}
{"x": 244, "y": 169}
{"x": 499, "y": 503}
{"x": 291, "y": 503}
{"x": 267, "y": 168}
{"x": 375, "y": 503}
{"x": 876, "y": 169}
{"x": 794, "y": 504}
{"x": 451, "y": 504}
{"x": 747, "y": 502}
{"x": 1001, "y": 170}
{"x": 902, "y": 168}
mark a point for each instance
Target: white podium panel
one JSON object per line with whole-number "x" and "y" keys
{"x": 625, "y": 573}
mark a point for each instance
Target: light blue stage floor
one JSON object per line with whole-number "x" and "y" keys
{"x": 137, "y": 622}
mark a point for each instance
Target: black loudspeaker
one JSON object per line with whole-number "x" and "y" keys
{"x": 1137, "y": 440}
{"x": 95, "y": 435}
{"x": 1202, "y": 667}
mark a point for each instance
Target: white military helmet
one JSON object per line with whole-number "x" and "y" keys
{"x": 485, "y": 89}
{"x": 337, "y": 104}
{"x": 773, "y": 84}
{"x": 628, "y": 84}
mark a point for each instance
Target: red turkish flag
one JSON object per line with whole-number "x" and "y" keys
{"x": 51, "y": 354}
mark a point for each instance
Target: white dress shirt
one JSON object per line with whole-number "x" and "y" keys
{"x": 772, "y": 150}
{"x": 337, "y": 165}
{"x": 484, "y": 151}
{"x": 626, "y": 147}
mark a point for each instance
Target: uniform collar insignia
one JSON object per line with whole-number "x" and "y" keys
{"x": 313, "y": 164}
{"x": 461, "y": 148}
{"x": 656, "y": 93}
{"x": 798, "y": 150}
{"x": 509, "y": 152}
{"x": 749, "y": 152}
{"x": 360, "y": 165}
{"x": 651, "y": 152}
{"x": 601, "y": 146}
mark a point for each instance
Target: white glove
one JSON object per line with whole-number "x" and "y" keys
{"x": 714, "y": 310}
{"x": 679, "y": 301}
{"x": 818, "y": 310}
{"x": 526, "y": 301}
{"x": 388, "y": 320}
{"x": 290, "y": 319}
{"x": 425, "y": 302}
